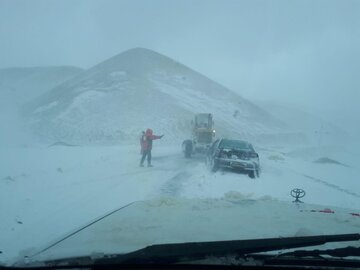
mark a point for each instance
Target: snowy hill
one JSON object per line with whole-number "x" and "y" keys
{"x": 317, "y": 130}
{"x": 116, "y": 99}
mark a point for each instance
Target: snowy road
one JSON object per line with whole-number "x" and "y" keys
{"x": 72, "y": 186}
{"x": 50, "y": 192}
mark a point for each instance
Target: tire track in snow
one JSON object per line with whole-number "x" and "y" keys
{"x": 175, "y": 184}
{"x": 182, "y": 168}
{"x": 333, "y": 186}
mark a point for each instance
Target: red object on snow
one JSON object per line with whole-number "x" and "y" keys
{"x": 327, "y": 211}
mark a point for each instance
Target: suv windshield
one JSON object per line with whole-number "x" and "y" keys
{"x": 235, "y": 144}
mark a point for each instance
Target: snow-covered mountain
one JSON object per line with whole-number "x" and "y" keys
{"x": 139, "y": 88}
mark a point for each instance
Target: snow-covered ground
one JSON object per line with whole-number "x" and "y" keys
{"x": 47, "y": 192}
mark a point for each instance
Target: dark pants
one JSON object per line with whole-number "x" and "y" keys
{"x": 146, "y": 153}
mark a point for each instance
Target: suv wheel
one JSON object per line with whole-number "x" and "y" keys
{"x": 213, "y": 165}
{"x": 252, "y": 174}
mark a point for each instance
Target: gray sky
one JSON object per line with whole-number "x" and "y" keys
{"x": 302, "y": 52}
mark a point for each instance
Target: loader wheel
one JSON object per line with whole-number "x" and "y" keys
{"x": 187, "y": 148}
{"x": 213, "y": 165}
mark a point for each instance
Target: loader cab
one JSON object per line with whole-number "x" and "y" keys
{"x": 203, "y": 120}
{"x": 203, "y": 134}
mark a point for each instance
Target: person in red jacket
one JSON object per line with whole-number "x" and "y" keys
{"x": 142, "y": 139}
{"x": 146, "y": 146}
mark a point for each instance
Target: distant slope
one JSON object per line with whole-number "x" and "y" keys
{"x": 18, "y": 86}
{"x": 317, "y": 130}
{"x": 25, "y": 84}
{"x": 116, "y": 99}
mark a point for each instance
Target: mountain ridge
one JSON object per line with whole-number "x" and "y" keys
{"x": 117, "y": 98}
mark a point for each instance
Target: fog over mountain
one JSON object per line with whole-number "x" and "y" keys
{"x": 80, "y": 80}
{"x": 115, "y": 100}
{"x": 299, "y": 52}
{"x": 21, "y": 85}
{"x": 24, "y": 84}
{"x": 139, "y": 88}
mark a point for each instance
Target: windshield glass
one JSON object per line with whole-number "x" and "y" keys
{"x": 114, "y": 114}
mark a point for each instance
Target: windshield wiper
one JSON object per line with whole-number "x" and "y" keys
{"x": 337, "y": 252}
{"x": 173, "y": 253}
{"x": 168, "y": 254}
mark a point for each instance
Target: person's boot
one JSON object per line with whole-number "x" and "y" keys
{"x": 149, "y": 165}
{"x": 141, "y": 165}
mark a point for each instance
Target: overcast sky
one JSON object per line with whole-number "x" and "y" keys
{"x": 299, "y": 52}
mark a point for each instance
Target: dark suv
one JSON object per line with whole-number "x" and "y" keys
{"x": 233, "y": 154}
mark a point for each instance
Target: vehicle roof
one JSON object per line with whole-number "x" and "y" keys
{"x": 245, "y": 143}
{"x": 234, "y": 140}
